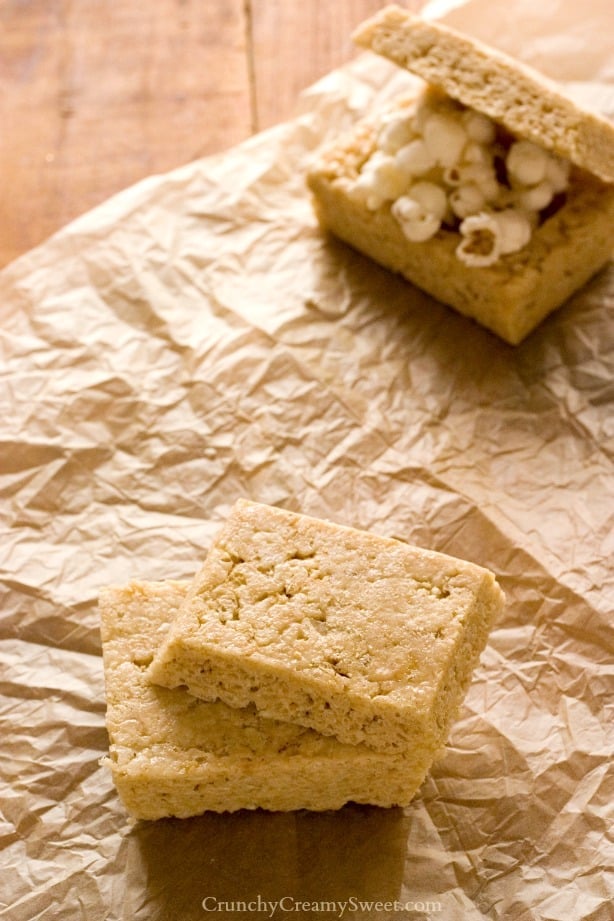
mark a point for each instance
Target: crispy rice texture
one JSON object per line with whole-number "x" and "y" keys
{"x": 513, "y": 296}
{"x": 174, "y": 755}
{"x": 360, "y": 637}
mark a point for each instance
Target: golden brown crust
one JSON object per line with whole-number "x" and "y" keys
{"x": 333, "y": 628}
{"x": 518, "y": 97}
{"x": 510, "y": 297}
{"x": 173, "y": 755}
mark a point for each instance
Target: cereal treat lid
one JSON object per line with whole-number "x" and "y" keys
{"x": 525, "y": 102}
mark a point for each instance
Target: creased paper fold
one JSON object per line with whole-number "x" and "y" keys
{"x": 197, "y": 338}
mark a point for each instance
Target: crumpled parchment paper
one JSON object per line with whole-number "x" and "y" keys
{"x": 197, "y": 338}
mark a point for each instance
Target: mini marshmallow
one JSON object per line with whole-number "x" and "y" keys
{"x": 481, "y": 175}
{"x": 479, "y": 127}
{"x": 382, "y": 177}
{"x": 445, "y": 138}
{"x": 415, "y": 158}
{"x": 431, "y": 196}
{"x": 477, "y": 153}
{"x": 395, "y": 133}
{"x": 514, "y": 230}
{"x": 481, "y": 244}
{"x": 526, "y": 163}
{"x": 423, "y": 113}
{"x": 536, "y": 197}
{"x": 557, "y": 173}
{"x": 363, "y": 189}
{"x": 488, "y": 235}
{"x": 466, "y": 199}
{"x": 452, "y": 152}
{"x": 416, "y": 222}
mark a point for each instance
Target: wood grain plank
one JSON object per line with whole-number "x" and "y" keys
{"x": 294, "y": 44}
{"x": 95, "y": 95}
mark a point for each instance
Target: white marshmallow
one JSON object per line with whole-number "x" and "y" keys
{"x": 480, "y": 245}
{"x": 488, "y": 235}
{"x": 466, "y": 199}
{"x": 514, "y": 230}
{"x": 395, "y": 133}
{"x": 456, "y": 149}
{"x": 536, "y": 197}
{"x": 479, "y": 127}
{"x": 481, "y": 175}
{"x": 415, "y": 158}
{"x": 526, "y": 163}
{"x": 477, "y": 153}
{"x": 363, "y": 190}
{"x": 431, "y": 196}
{"x": 445, "y": 138}
{"x": 557, "y": 173}
{"x": 381, "y": 176}
{"x": 416, "y": 222}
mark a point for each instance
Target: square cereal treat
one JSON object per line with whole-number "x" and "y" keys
{"x": 173, "y": 755}
{"x": 489, "y": 189}
{"x": 360, "y": 637}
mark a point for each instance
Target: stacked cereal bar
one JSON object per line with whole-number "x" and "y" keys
{"x": 306, "y": 665}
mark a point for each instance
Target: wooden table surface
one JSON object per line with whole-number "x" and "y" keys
{"x": 97, "y": 94}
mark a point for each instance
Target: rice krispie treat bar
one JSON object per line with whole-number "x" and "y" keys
{"x": 173, "y": 755}
{"x": 489, "y": 189}
{"x": 357, "y": 636}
